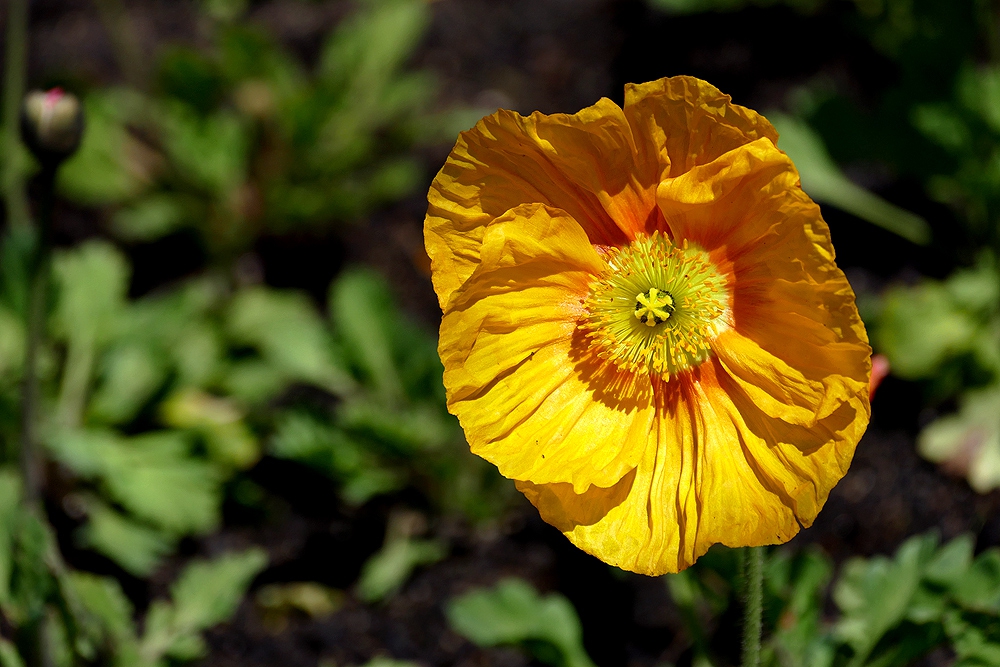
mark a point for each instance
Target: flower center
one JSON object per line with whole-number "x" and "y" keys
{"x": 657, "y": 307}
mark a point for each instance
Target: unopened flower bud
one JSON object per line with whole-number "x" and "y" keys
{"x": 51, "y": 124}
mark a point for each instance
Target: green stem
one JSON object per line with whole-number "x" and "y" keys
{"x": 15, "y": 56}
{"x": 753, "y": 604}
{"x": 31, "y": 467}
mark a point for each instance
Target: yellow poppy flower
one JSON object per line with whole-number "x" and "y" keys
{"x": 644, "y": 325}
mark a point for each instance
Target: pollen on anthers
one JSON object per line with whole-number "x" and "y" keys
{"x": 657, "y": 307}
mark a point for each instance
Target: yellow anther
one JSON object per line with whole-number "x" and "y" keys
{"x": 654, "y": 307}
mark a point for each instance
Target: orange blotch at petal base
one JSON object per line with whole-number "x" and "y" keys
{"x": 644, "y": 325}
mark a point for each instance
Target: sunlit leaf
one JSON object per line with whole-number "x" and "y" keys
{"x": 514, "y": 613}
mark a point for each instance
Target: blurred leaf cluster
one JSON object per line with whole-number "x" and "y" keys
{"x": 154, "y": 409}
{"x": 241, "y": 139}
{"x": 513, "y": 613}
{"x": 890, "y": 611}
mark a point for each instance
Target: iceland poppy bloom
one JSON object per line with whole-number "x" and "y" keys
{"x": 644, "y": 325}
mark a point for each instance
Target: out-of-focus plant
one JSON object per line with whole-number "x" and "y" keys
{"x": 513, "y": 613}
{"x": 242, "y": 139}
{"x": 892, "y": 611}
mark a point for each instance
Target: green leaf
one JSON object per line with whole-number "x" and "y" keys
{"x": 218, "y": 420}
{"x": 942, "y": 125}
{"x": 136, "y": 548}
{"x": 129, "y": 375}
{"x": 92, "y": 280}
{"x": 921, "y": 327}
{"x": 387, "y": 570}
{"x": 150, "y": 218}
{"x": 823, "y": 180}
{"x": 951, "y": 561}
{"x": 402, "y": 430}
{"x": 152, "y": 475}
{"x": 210, "y": 152}
{"x": 289, "y": 333}
{"x": 514, "y": 613}
{"x": 875, "y": 595}
{"x": 104, "y": 616}
{"x": 206, "y": 594}
{"x": 362, "y": 311}
{"x": 9, "y": 657}
{"x": 978, "y": 588}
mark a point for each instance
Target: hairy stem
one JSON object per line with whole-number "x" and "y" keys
{"x": 753, "y": 603}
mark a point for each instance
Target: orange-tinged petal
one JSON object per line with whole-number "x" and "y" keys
{"x": 798, "y": 396}
{"x": 530, "y": 395}
{"x": 683, "y": 122}
{"x": 585, "y": 164}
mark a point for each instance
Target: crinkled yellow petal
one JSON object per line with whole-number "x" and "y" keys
{"x": 585, "y": 164}
{"x": 519, "y": 374}
{"x": 683, "y": 122}
{"x": 706, "y": 478}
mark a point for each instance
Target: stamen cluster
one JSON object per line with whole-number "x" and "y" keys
{"x": 657, "y": 307}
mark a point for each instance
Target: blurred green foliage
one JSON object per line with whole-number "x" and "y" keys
{"x": 153, "y": 409}
{"x": 241, "y": 140}
{"x": 513, "y": 613}
{"x": 890, "y": 611}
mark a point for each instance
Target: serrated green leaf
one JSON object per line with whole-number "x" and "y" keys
{"x": 152, "y": 475}
{"x": 875, "y": 595}
{"x": 104, "y": 617}
{"x": 136, "y": 548}
{"x": 514, "y": 613}
{"x": 92, "y": 280}
{"x": 128, "y": 376}
{"x": 207, "y": 593}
